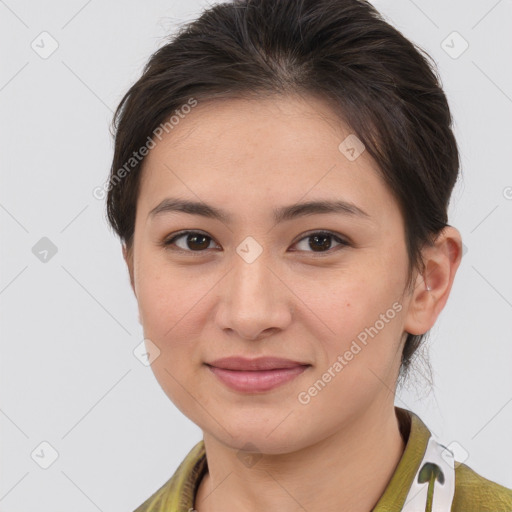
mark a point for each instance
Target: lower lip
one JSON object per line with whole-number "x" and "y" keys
{"x": 254, "y": 381}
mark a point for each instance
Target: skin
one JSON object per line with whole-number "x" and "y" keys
{"x": 339, "y": 451}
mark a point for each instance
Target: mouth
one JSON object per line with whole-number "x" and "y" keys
{"x": 256, "y": 375}
{"x": 260, "y": 363}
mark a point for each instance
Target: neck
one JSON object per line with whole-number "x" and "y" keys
{"x": 346, "y": 471}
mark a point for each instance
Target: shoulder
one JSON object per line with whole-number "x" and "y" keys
{"x": 474, "y": 493}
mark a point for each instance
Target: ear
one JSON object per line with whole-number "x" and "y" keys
{"x": 432, "y": 288}
{"x": 128, "y": 258}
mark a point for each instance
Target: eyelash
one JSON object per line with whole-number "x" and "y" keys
{"x": 343, "y": 243}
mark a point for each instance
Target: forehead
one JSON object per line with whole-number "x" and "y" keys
{"x": 254, "y": 151}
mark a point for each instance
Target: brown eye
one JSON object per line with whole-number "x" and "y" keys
{"x": 321, "y": 241}
{"x": 193, "y": 241}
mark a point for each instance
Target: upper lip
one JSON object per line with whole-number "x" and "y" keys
{"x": 260, "y": 363}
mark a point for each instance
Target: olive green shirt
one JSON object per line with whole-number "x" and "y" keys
{"x": 473, "y": 493}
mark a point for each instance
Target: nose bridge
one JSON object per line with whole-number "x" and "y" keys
{"x": 252, "y": 280}
{"x": 254, "y": 299}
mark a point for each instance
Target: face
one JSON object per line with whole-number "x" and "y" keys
{"x": 319, "y": 287}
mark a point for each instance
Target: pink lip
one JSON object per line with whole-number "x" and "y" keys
{"x": 256, "y": 375}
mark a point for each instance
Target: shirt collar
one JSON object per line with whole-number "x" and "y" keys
{"x": 417, "y": 435}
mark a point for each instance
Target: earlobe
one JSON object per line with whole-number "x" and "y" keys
{"x": 433, "y": 286}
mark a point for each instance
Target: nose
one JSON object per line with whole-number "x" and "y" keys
{"x": 254, "y": 301}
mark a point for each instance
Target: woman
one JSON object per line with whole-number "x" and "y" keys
{"x": 280, "y": 184}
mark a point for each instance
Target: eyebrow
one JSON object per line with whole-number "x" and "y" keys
{"x": 280, "y": 214}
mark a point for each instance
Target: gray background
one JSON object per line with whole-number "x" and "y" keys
{"x": 69, "y": 325}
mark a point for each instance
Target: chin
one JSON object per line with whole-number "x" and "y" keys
{"x": 258, "y": 437}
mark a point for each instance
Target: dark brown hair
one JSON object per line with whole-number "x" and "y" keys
{"x": 379, "y": 83}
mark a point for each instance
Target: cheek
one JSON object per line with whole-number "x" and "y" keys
{"x": 359, "y": 357}
{"x": 168, "y": 297}
{"x": 357, "y": 313}
{"x": 172, "y": 314}
{"x": 348, "y": 300}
